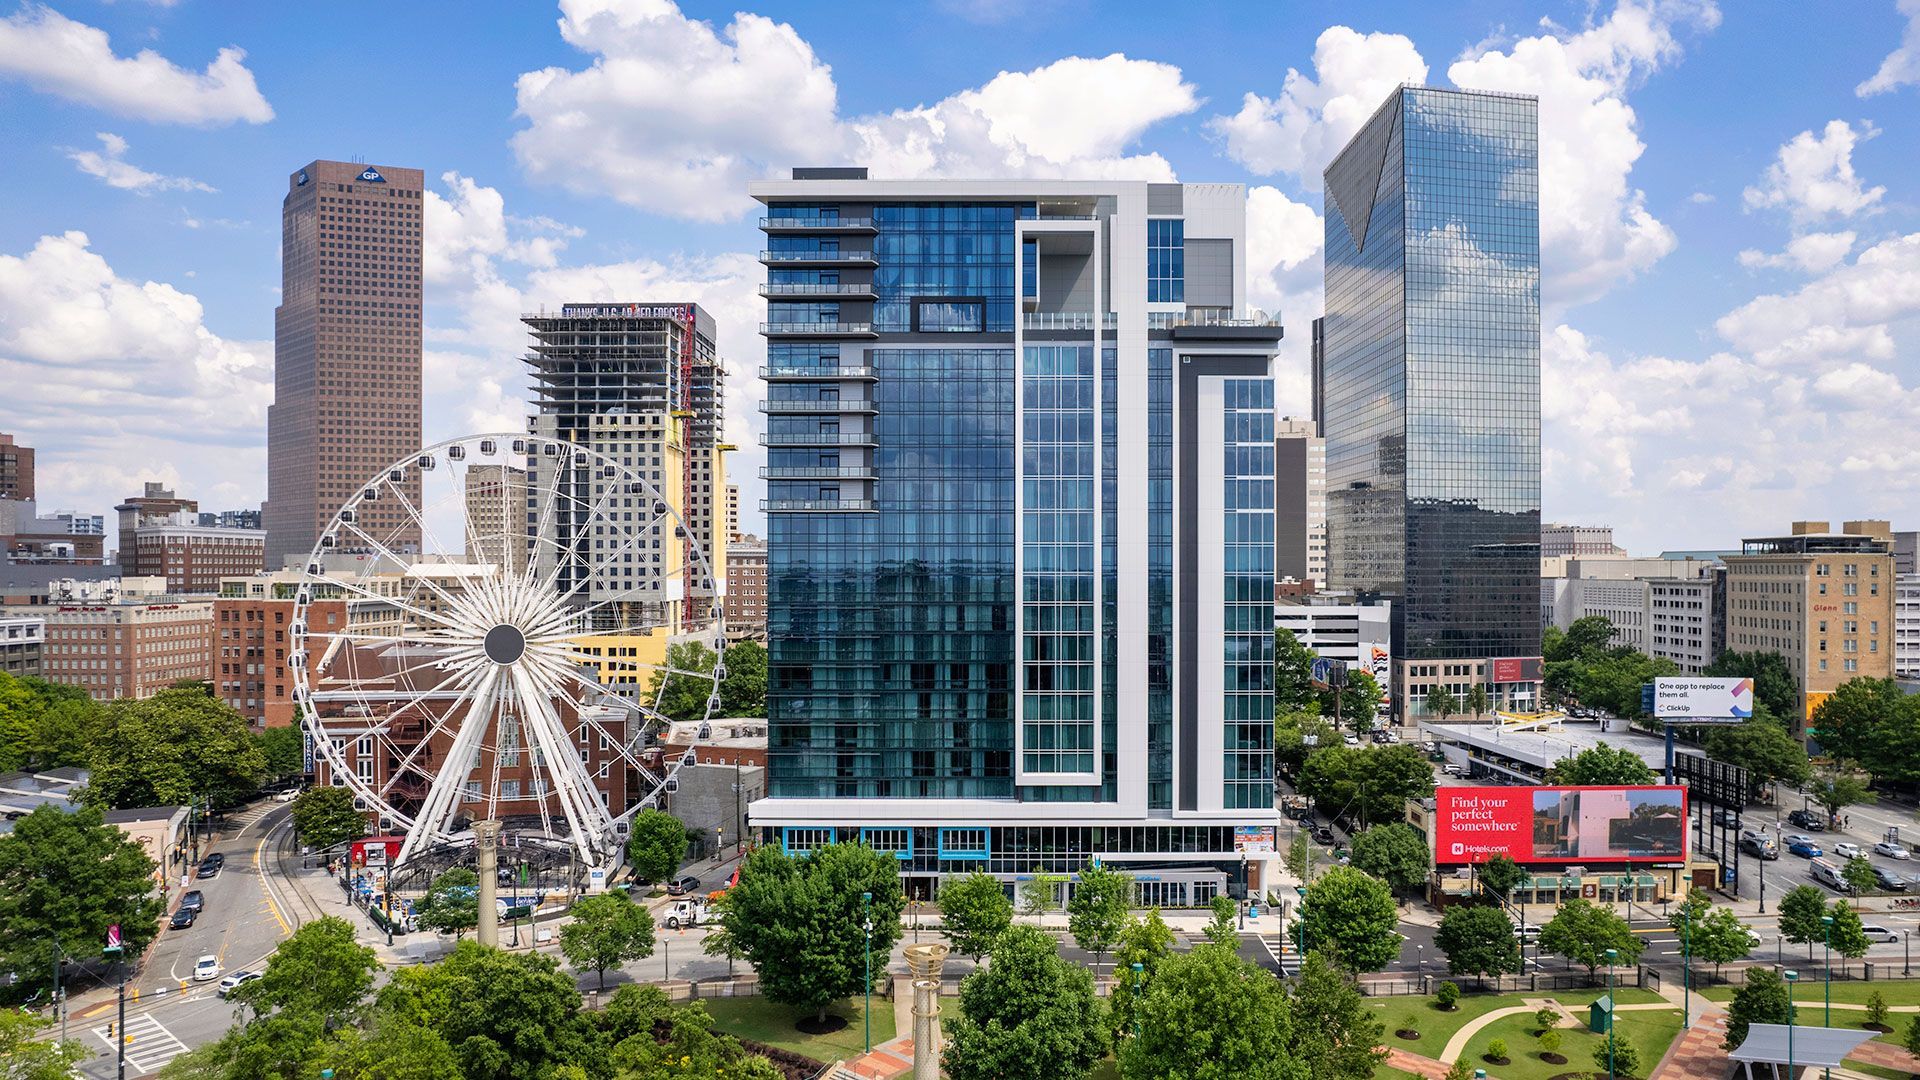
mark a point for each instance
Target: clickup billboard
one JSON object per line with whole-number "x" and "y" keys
{"x": 1695, "y": 698}
{"x": 1560, "y": 824}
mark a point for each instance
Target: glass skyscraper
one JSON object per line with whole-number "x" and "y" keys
{"x": 1020, "y": 527}
{"x": 1429, "y": 385}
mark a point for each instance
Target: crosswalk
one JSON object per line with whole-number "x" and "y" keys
{"x": 149, "y": 1044}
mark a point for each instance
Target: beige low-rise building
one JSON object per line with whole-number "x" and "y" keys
{"x": 124, "y": 646}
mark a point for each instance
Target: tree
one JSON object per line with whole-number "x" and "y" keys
{"x": 1688, "y": 916}
{"x": 65, "y": 876}
{"x": 320, "y": 971}
{"x": 1912, "y": 1040}
{"x": 44, "y": 725}
{"x": 1028, "y": 1015}
{"x": 606, "y": 931}
{"x": 1546, "y": 1017}
{"x": 1849, "y": 722}
{"x": 656, "y": 845}
{"x": 688, "y": 679}
{"x": 1774, "y": 685}
{"x": 1396, "y": 854}
{"x": 282, "y": 750}
{"x": 1292, "y": 675}
{"x": 1835, "y": 791}
{"x": 1550, "y": 1042}
{"x": 452, "y": 902}
{"x": 1499, "y": 875}
{"x": 654, "y": 1039}
{"x": 1097, "y": 908}
{"x": 324, "y": 817}
{"x": 1300, "y": 856}
{"x": 1356, "y": 704}
{"x": 1353, "y": 916}
{"x": 798, "y": 919}
{"x": 1335, "y": 1035}
{"x": 1441, "y": 702}
{"x": 1761, "y": 1000}
{"x": 974, "y": 910}
{"x": 1764, "y": 748}
{"x": 1877, "y": 1011}
{"x": 1210, "y": 1015}
{"x": 1220, "y": 930}
{"x": 1858, "y": 874}
{"x": 1616, "y": 1055}
{"x": 1583, "y": 932}
{"x": 22, "y": 1057}
{"x": 1497, "y": 1051}
{"x": 1296, "y": 736}
{"x": 1478, "y": 940}
{"x": 1800, "y": 911}
{"x": 174, "y": 746}
{"x": 1447, "y": 994}
{"x": 1602, "y": 765}
{"x": 1721, "y": 938}
{"x": 1585, "y": 637}
{"x": 507, "y": 1015}
{"x": 1462, "y": 1068}
{"x": 1040, "y": 893}
{"x": 1846, "y": 935}
{"x": 744, "y": 690}
{"x": 391, "y": 1050}
{"x": 1146, "y": 942}
{"x": 1373, "y": 781}
{"x": 1476, "y": 700}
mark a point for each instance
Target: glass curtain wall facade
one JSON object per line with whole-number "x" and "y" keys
{"x": 1430, "y": 371}
{"x": 974, "y": 574}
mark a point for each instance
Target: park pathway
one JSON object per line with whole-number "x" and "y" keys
{"x": 1458, "y": 1044}
{"x": 1697, "y": 1054}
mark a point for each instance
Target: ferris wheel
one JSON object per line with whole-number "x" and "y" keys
{"x": 519, "y": 674}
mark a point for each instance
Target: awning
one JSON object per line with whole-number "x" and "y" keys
{"x": 1823, "y": 1046}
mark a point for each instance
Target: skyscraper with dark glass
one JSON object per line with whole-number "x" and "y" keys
{"x": 1429, "y": 382}
{"x": 1020, "y": 527}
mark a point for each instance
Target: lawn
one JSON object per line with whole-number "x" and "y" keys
{"x": 1388, "y": 1072}
{"x": 1436, "y": 1026}
{"x": 1650, "y": 1032}
{"x": 1852, "y": 991}
{"x": 762, "y": 1021}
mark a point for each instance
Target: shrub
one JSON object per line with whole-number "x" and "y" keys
{"x": 1876, "y": 1011}
{"x": 1550, "y": 1041}
{"x": 1460, "y": 1070}
{"x": 1546, "y": 1018}
{"x": 1626, "y": 1060}
{"x": 1497, "y": 1050}
{"x": 1447, "y": 995}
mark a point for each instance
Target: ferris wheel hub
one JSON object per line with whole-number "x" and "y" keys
{"x": 505, "y": 644}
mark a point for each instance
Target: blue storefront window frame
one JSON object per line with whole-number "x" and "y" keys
{"x": 949, "y": 854}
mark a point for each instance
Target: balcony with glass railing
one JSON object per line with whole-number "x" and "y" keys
{"x": 788, "y": 374}
{"x": 816, "y": 472}
{"x": 822, "y": 290}
{"x": 1067, "y": 320}
{"x": 789, "y": 506}
{"x": 828, "y": 223}
{"x": 818, "y": 329}
{"x": 819, "y": 258}
{"x": 790, "y": 407}
{"x": 817, "y": 438}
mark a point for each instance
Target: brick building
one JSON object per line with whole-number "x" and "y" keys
{"x": 250, "y": 634}
{"x": 16, "y": 469}
{"x": 747, "y": 590}
{"x": 125, "y": 648}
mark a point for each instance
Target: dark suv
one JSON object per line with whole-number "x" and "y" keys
{"x": 1806, "y": 819}
{"x": 193, "y": 900}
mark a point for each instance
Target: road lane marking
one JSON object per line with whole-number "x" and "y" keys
{"x": 266, "y": 888}
{"x": 149, "y": 1044}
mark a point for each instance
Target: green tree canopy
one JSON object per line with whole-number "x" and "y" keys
{"x": 1761, "y": 1000}
{"x": 44, "y": 725}
{"x": 390, "y": 1050}
{"x": 1852, "y": 722}
{"x": 452, "y": 902}
{"x": 507, "y": 1016}
{"x": 1298, "y": 735}
{"x": 974, "y": 911}
{"x": 1441, "y": 702}
{"x": 1373, "y": 782}
{"x": 1585, "y": 638}
{"x": 1848, "y": 937}
{"x": 1352, "y": 915}
{"x": 1774, "y": 685}
{"x": 1292, "y": 675}
{"x": 1602, "y": 765}
{"x": 1356, "y": 704}
{"x": 656, "y": 845}
{"x": 1800, "y": 910}
{"x": 1764, "y": 748}
{"x": 1027, "y": 1015}
{"x": 1335, "y": 1035}
{"x": 324, "y": 816}
{"x": 1098, "y": 906}
{"x": 1147, "y": 942}
{"x": 654, "y": 1039}
{"x": 25, "y": 1057}
{"x": 1583, "y": 932}
{"x": 688, "y": 682}
{"x": 1721, "y": 938}
{"x": 1499, "y": 875}
{"x": 1395, "y": 853}
{"x": 1210, "y": 1015}
{"x": 1835, "y": 791}
{"x": 606, "y": 931}
{"x": 744, "y": 691}
{"x": 797, "y": 920}
{"x": 320, "y": 971}
{"x": 174, "y": 746}
{"x": 1478, "y": 940}
{"x": 65, "y": 877}
{"x": 282, "y": 750}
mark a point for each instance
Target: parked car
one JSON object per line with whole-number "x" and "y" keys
{"x": 206, "y": 969}
{"x": 1727, "y": 819}
{"x": 1808, "y": 820}
{"x": 1889, "y": 879}
{"x": 1892, "y": 850}
{"x": 235, "y": 981}
{"x": 1526, "y": 932}
{"x": 1844, "y": 850}
{"x": 1804, "y": 846}
{"x": 683, "y": 886}
{"x": 194, "y": 899}
{"x": 208, "y": 868}
{"x": 1323, "y": 834}
{"x": 1350, "y": 739}
{"x": 1879, "y": 934}
{"x": 182, "y": 919}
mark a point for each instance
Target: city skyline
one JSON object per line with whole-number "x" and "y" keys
{"x": 1716, "y": 263}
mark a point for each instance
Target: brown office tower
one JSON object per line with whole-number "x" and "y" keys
{"x": 16, "y": 469}
{"x": 346, "y": 395}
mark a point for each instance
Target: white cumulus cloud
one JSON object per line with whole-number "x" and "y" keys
{"x": 110, "y": 164}
{"x": 1902, "y": 66}
{"x": 1813, "y": 252}
{"x": 1847, "y": 312}
{"x": 1813, "y": 175}
{"x": 1299, "y": 130}
{"x": 57, "y": 55}
{"x": 675, "y": 117}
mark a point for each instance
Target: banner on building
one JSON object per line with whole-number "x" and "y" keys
{"x": 1560, "y": 824}
{"x": 1253, "y": 839}
{"x": 1699, "y": 699}
{"x": 1514, "y": 669}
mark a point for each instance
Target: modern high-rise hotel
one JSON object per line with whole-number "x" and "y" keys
{"x": 346, "y": 352}
{"x": 1427, "y": 386}
{"x": 1019, "y": 493}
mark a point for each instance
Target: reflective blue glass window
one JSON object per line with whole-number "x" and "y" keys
{"x": 1166, "y": 261}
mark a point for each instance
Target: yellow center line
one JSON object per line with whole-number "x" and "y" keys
{"x": 260, "y": 867}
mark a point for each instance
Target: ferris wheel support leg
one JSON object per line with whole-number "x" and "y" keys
{"x": 486, "y": 846}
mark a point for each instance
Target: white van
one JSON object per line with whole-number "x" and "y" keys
{"x": 1827, "y": 874}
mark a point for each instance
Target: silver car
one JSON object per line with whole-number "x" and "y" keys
{"x": 1892, "y": 850}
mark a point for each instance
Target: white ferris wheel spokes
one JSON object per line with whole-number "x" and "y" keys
{"x": 516, "y": 673}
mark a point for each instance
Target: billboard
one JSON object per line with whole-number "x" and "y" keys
{"x": 1514, "y": 669}
{"x": 1560, "y": 824}
{"x": 1328, "y": 673}
{"x": 1253, "y": 839}
{"x": 1694, "y": 697}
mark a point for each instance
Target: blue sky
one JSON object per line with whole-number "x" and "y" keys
{"x": 1731, "y": 249}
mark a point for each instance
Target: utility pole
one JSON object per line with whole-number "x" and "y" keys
{"x": 59, "y": 1000}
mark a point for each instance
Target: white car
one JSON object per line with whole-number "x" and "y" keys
{"x": 1879, "y": 934}
{"x": 1526, "y": 932}
{"x": 235, "y": 981}
{"x": 1847, "y": 851}
{"x": 206, "y": 969}
{"x": 1892, "y": 850}
{"x": 1352, "y": 740}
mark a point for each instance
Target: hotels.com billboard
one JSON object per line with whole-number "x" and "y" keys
{"x": 1560, "y": 824}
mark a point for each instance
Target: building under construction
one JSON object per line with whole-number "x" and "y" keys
{"x": 643, "y": 385}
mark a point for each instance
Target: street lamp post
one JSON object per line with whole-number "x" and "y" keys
{"x": 1612, "y": 1008}
{"x": 1906, "y": 952}
{"x": 1138, "y": 969}
{"x": 1826, "y": 924}
{"x": 1791, "y": 977}
{"x": 866, "y": 907}
{"x": 1245, "y": 895}
{"x": 1686, "y": 967}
